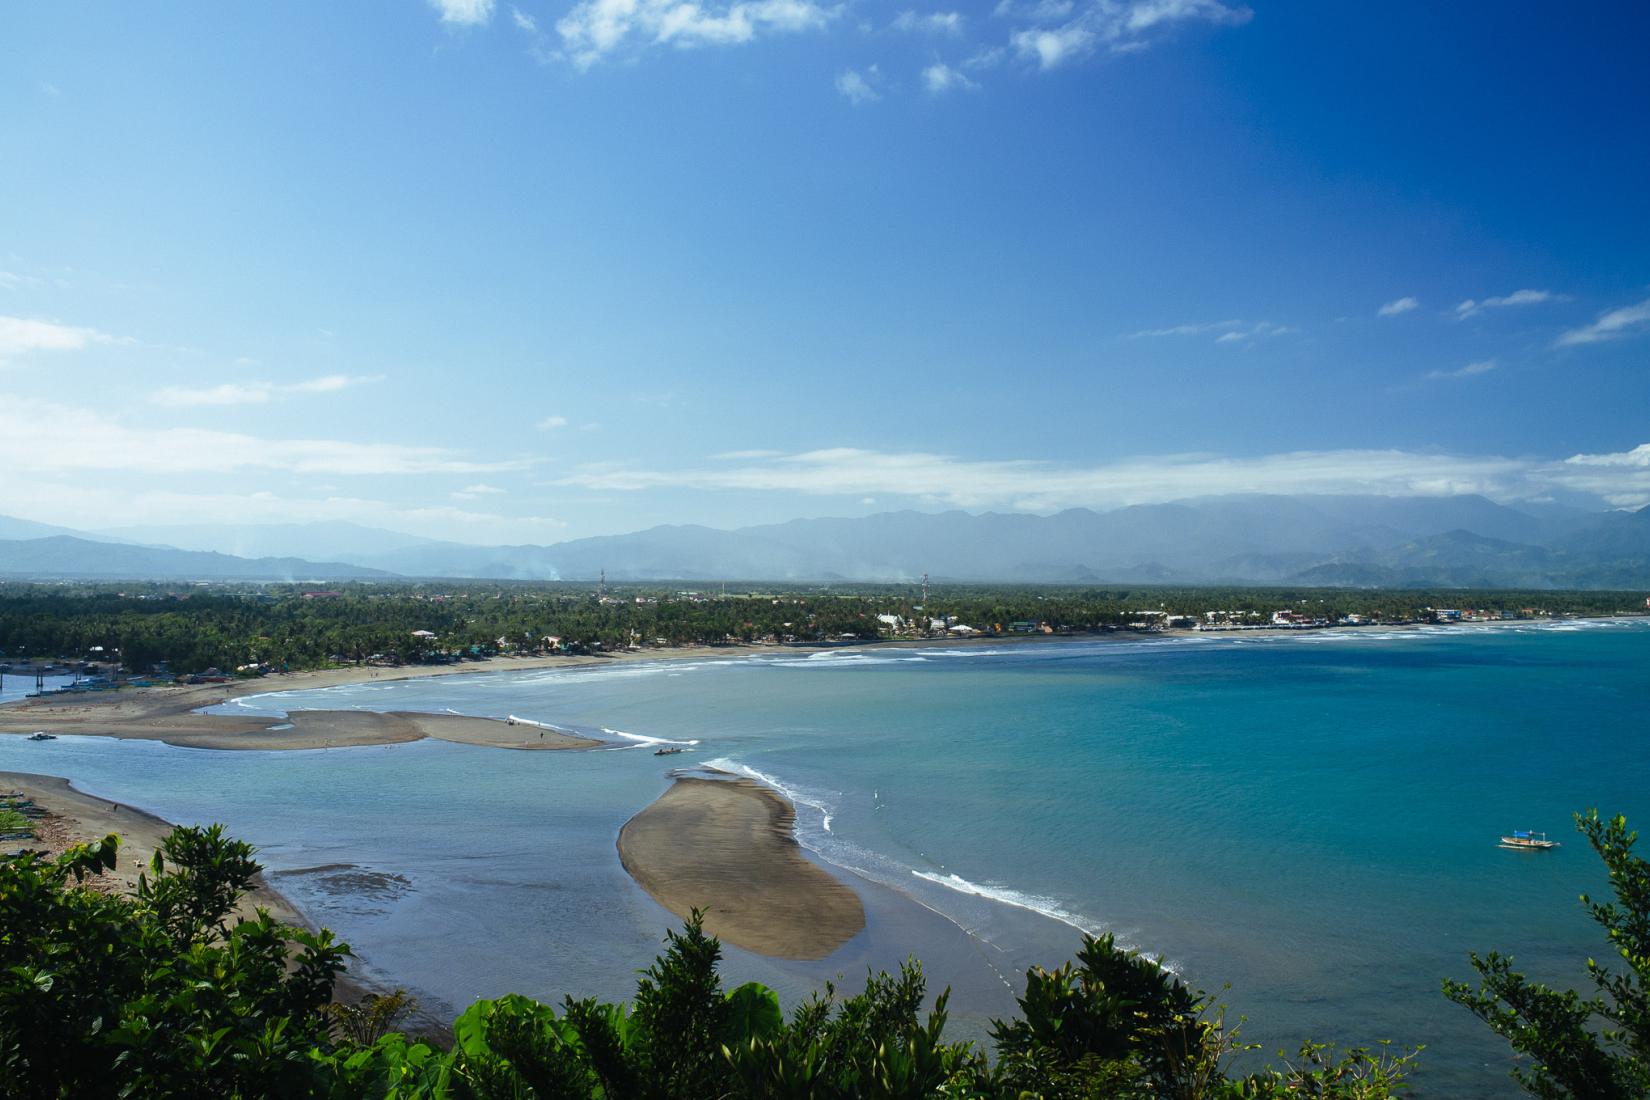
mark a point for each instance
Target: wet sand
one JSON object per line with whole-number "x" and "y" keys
{"x": 725, "y": 846}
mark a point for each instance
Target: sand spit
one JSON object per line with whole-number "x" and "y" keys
{"x": 725, "y": 846}
{"x": 171, "y": 714}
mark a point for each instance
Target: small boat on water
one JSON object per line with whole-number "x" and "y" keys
{"x": 667, "y": 750}
{"x": 42, "y": 736}
{"x": 1522, "y": 840}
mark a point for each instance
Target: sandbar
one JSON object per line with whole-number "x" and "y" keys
{"x": 170, "y": 713}
{"x": 725, "y": 846}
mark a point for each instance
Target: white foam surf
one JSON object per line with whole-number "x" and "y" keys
{"x": 642, "y": 740}
{"x": 812, "y": 800}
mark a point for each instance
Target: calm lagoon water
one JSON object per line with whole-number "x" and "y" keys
{"x": 1310, "y": 818}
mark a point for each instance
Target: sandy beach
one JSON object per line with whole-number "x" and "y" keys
{"x": 726, "y": 846}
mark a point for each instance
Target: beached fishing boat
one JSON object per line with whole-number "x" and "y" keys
{"x": 1526, "y": 841}
{"x": 669, "y": 750}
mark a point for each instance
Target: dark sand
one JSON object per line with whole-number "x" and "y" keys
{"x": 725, "y": 846}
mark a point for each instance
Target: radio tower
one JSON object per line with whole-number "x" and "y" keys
{"x": 601, "y": 585}
{"x": 925, "y": 590}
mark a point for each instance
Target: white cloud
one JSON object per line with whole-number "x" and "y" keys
{"x": 19, "y": 335}
{"x": 1052, "y": 48}
{"x": 551, "y": 423}
{"x": 255, "y": 392}
{"x": 524, "y": 21}
{"x": 11, "y": 280}
{"x": 1470, "y": 307}
{"x": 1398, "y": 306}
{"x": 1058, "y": 36}
{"x": 934, "y": 22}
{"x": 43, "y": 436}
{"x": 596, "y": 29}
{"x": 1231, "y": 332}
{"x": 940, "y": 78}
{"x": 856, "y": 87}
{"x": 1622, "y": 478}
{"x": 464, "y": 13}
{"x": 1482, "y": 366}
{"x": 1610, "y": 325}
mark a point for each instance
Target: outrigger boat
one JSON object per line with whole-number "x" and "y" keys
{"x": 669, "y": 750}
{"x": 42, "y": 736}
{"x": 1526, "y": 841}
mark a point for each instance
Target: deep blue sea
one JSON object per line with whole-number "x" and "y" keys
{"x": 1311, "y": 818}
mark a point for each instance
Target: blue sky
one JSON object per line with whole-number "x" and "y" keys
{"x": 528, "y": 272}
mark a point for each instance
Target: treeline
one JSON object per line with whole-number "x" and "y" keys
{"x": 161, "y": 993}
{"x": 281, "y": 626}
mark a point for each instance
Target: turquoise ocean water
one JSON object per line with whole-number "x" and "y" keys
{"x": 1310, "y": 818}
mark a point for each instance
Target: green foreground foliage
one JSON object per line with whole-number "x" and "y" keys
{"x": 166, "y": 993}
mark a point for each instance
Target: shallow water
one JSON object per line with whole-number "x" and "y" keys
{"x": 1311, "y": 818}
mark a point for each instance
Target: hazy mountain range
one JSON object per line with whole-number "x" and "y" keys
{"x": 1463, "y": 541}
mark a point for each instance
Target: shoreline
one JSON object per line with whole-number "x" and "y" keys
{"x": 171, "y": 713}
{"x": 728, "y": 847}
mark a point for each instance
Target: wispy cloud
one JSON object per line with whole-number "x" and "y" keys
{"x": 1611, "y": 325}
{"x": 933, "y": 22}
{"x": 464, "y": 13}
{"x": 1230, "y": 332}
{"x": 20, "y": 335}
{"x": 11, "y": 280}
{"x": 597, "y": 29}
{"x": 940, "y": 78}
{"x": 524, "y": 21}
{"x": 46, "y": 436}
{"x": 551, "y": 423}
{"x": 256, "y": 392}
{"x": 98, "y": 506}
{"x": 1061, "y": 32}
{"x": 1471, "y": 308}
{"x": 1038, "y": 486}
{"x": 858, "y": 88}
{"x": 1398, "y": 306}
{"x": 1482, "y": 366}
{"x": 471, "y": 492}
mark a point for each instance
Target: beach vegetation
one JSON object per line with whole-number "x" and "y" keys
{"x": 1575, "y": 1046}
{"x": 155, "y": 993}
